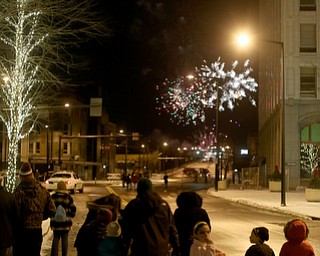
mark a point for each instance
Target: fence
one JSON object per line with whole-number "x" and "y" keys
{"x": 254, "y": 177}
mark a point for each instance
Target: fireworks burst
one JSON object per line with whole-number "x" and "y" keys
{"x": 186, "y": 100}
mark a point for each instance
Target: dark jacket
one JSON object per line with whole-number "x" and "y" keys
{"x": 8, "y": 217}
{"x": 66, "y": 201}
{"x": 34, "y": 204}
{"x": 259, "y": 250}
{"x": 188, "y": 213}
{"x": 148, "y": 223}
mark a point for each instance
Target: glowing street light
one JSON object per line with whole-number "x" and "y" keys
{"x": 244, "y": 40}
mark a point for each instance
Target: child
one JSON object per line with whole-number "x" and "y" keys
{"x": 112, "y": 243}
{"x": 202, "y": 245}
{"x": 296, "y": 232}
{"x": 61, "y": 228}
{"x": 91, "y": 234}
{"x": 258, "y": 237}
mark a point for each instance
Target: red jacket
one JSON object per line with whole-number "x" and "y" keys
{"x": 296, "y": 233}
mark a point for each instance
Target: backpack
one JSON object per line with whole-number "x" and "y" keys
{"x": 60, "y": 215}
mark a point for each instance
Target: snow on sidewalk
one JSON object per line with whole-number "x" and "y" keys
{"x": 296, "y": 203}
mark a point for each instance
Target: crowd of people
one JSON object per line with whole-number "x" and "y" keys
{"x": 145, "y": 227}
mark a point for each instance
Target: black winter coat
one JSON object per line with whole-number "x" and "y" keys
{"x": 148, "y": 222}
{"x": 188, "y": 213}
{"x": 8, "y": 217}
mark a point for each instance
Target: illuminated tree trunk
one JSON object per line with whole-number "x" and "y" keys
{"x": 35, "y": 38}
{"x": 12, "y": 164}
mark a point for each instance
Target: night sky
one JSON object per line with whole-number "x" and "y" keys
{"x": 152, "y": 40}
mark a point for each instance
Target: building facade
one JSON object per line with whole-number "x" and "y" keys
{"x": 68, "y": 138}
{"x": 289, "y": 59}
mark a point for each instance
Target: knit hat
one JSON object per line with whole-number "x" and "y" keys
{"x": 262, "y": 233}
{"x": 61, "y": 185}
{"x": 144, "y": 185}
{"x": 114, "y": 229}
{"x": 104, "y": 215}
{"x": 25, "y": 169}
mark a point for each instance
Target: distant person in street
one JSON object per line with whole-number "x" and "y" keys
{"x": 148, "y": 225}
{"x": 166, "y": 179}
{"x": 34, "y": 205}
{"x": 91, "y": 234}
{"x": 296, "y": 232}
{"x": 186, "y": 216}
{"x": 196, "y": 175}
{"x": 61, "y": 228}
{"x": 258, "y": 237}
{"x": 202, "y": 244}
{"x": 8, "y": 217}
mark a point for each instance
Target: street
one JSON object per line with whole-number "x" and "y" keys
{"x": 232, "y": 223}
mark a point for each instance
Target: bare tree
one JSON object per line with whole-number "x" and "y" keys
{"x": 35, "y": 42}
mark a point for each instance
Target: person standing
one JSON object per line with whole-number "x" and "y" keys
{"x": 258, "y": 237}
{"x": 148, "y": 225}
{"x": 188, "y": 213}
{"x": 166, "y": 179}
{"x": 34, "y": 205}
{"x": 61, "y": 228}
{"x": 296, "y": 232}
{"x": 8, "y": 217}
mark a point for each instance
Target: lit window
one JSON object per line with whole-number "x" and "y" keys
{"x": 308, "y": 40}
{"x": 65, "y": 148}
{"x": 307, "y": 5}
{"x": 308, "y": 82}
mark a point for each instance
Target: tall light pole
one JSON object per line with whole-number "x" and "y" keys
{"x": 217, "y": 174}
{"x": 244, "y": 40}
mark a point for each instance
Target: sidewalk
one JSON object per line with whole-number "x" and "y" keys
{"x": 296, "y": 203}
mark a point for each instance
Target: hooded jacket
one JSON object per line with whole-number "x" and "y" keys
{"x": 188, "y": 213}
{"x": 148, "y": 223}
{"x": 296, "y": 232}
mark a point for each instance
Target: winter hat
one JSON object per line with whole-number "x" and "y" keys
{"x": 144, "y": 185}
{"x": 262, "y": 233}
{"x": 61, "y": 185}
{"x": 25, "y": 169}
{"x": 296, "y": 230}
{"x": 104, "y": 215}
{"x": 114, "y": 229}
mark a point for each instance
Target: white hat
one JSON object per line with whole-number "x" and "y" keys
{"x": 114, "y": 229}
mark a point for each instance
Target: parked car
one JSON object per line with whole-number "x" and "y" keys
{"x": 190, "y": 172}
{"x": 71, "y": 179}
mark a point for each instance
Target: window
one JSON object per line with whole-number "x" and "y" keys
{"x": 308, "y": 40}
{"x": 65, "y": 129}
{"x": 65, "y": 148}
{"x": 37, "y": 147}
{"x": 308, "y": 82}
{"x": 307, "y": 5}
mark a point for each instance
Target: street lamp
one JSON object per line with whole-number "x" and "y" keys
{"x": 245, "y": 40}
